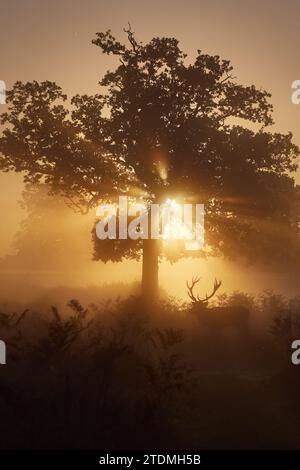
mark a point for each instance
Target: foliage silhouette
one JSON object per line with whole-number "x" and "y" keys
{"x": 134, "y": 380}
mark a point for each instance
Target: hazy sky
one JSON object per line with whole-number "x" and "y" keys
{"x": 51, "y": 40}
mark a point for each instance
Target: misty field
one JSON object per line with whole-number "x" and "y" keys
{"x": 115, "y": 374}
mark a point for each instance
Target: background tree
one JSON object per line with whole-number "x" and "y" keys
{"x": 161, "y": 128}
{"x": 49, "y": 236}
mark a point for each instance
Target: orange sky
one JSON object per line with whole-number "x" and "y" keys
{"x": 51, "y": 40}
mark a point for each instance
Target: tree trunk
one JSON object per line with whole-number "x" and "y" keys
{"x": 150, "y": 270}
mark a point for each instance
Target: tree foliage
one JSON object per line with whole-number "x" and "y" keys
{"x": 161, "y": 127}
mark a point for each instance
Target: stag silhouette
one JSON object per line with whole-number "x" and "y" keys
{"x": 217, "y": 318}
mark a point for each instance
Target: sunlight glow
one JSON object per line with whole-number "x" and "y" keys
{"x": 162, "y": 170}
{"x": 174, "y": 227}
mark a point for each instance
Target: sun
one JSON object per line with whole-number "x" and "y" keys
{"x": 173, "y": 225}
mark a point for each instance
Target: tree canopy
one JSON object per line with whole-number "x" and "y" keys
{"x": 160, "y": 127}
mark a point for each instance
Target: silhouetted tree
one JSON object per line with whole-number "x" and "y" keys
{"x": 49, "y": 235}
{"x": 161, "y": 128}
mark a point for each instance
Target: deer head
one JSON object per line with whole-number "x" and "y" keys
{"x": 197, "y": 300}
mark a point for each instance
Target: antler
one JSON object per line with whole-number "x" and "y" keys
{"x": 217, "y": 284}
{"x": 191, "y": 286}
{"x": 190, "y": 289}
